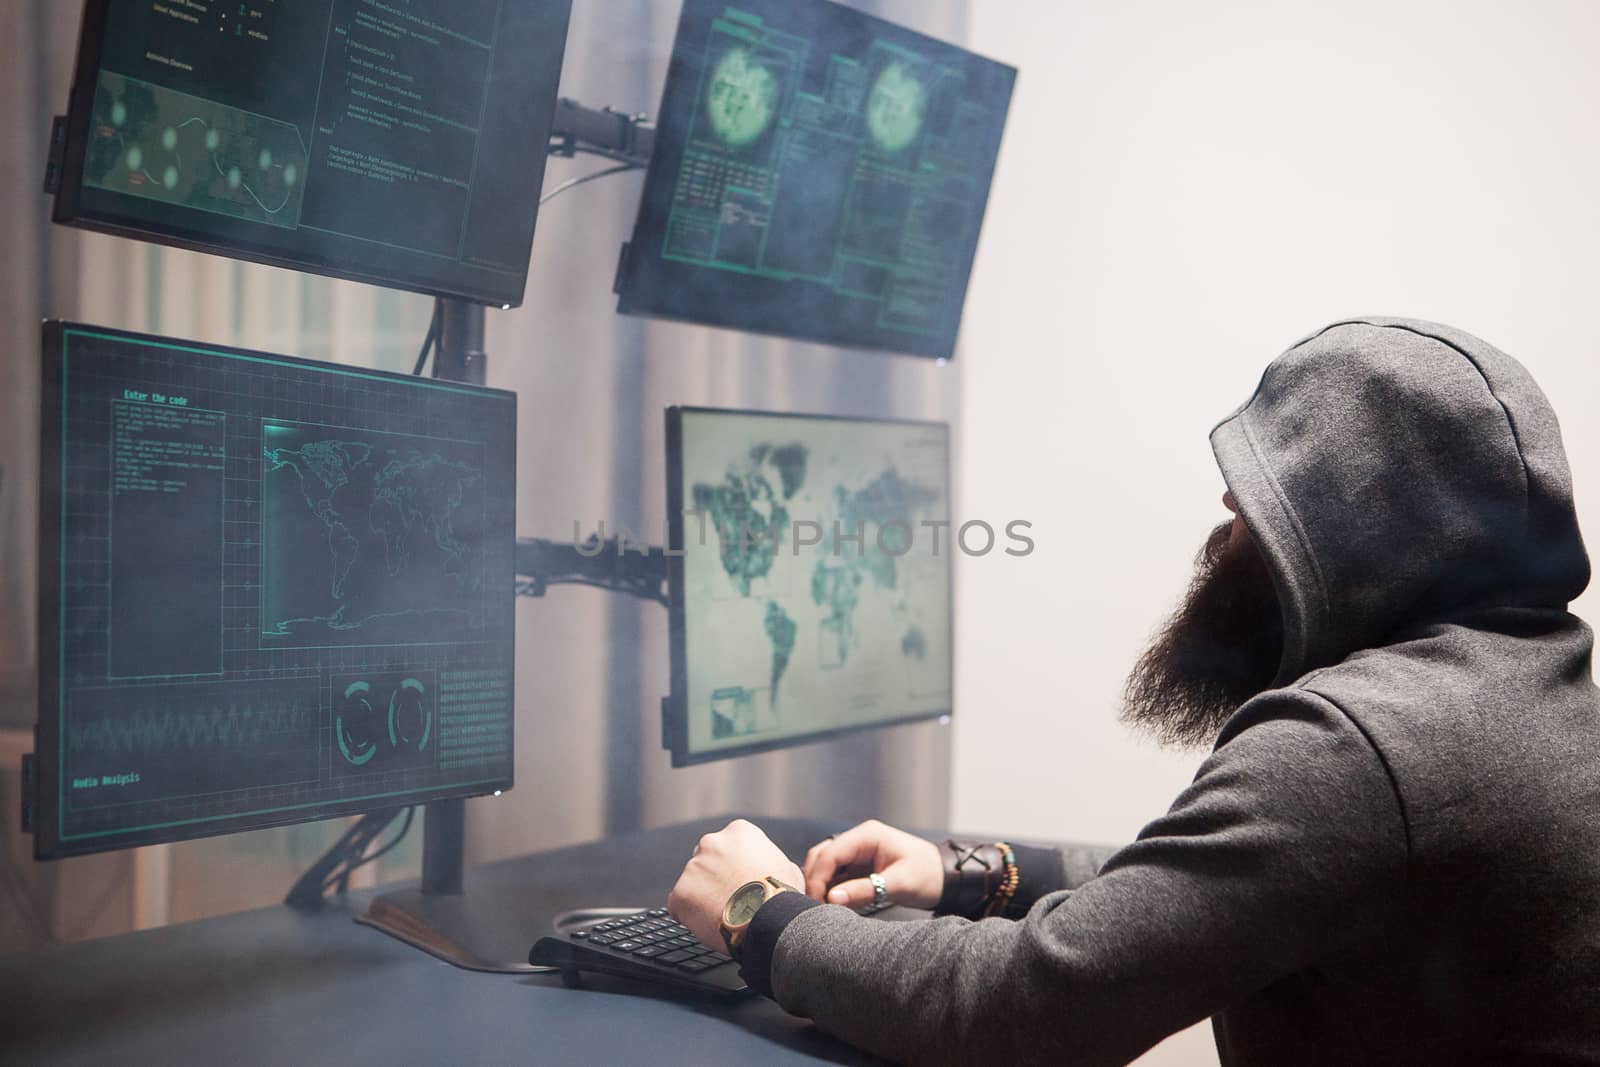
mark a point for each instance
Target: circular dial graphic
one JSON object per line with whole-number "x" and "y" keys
{"x": 743, "y": 99}
{"x": 895, "y": 108}
{"x": 356, "y": 725}
{"x": 410, "y": 721}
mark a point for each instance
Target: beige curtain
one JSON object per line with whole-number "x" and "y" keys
{"x": 592, "y": 387}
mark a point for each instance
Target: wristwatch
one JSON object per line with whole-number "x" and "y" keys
{"x": 742, "y": 907}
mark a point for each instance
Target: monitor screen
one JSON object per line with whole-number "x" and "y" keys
{"x": 817, "y": 174}
{"x": 810, "y": 562}
{"x": 271, "y": 590}
{"x": 401, "y": 144}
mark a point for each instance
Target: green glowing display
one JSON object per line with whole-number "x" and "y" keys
{"x": 833, "y": 174}
{"x": 408, "y": 716}
{"x": 169, "y": 720}
{"x": 352, "y": 726}
{"x": 743, "y": 99}
{"x": 157, "y": 143}
{"x": 896, "y": 108}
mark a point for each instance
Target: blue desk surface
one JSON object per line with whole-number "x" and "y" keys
{"x": 275, "y": 986}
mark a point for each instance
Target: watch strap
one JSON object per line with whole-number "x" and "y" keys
{"x": 733, "y": 936}
{"x": 760, "y": 945}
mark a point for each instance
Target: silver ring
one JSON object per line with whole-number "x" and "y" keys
{"x": 880, "y": 892}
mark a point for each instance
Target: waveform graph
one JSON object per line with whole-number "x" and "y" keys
{"x": 384, "y": 721}
{"x": 160, "y": 144}
{"x": 370, "y": 538}
{"x": 161, "y": 743}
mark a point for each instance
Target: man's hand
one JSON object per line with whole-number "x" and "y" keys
{"x": 722, "y": 862}
{"x": 912, "y": 869}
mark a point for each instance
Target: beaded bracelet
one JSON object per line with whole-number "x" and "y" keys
{"x": 1001, "y": 899}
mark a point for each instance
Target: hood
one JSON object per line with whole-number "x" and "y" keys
{"x": 1394, "y": 473}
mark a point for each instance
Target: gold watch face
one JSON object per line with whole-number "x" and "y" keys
{"x": 744, "y": 903}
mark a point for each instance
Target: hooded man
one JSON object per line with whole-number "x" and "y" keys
{"x": 1392, "y": 854}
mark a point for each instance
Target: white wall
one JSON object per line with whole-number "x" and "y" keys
{"x": 1186, "y": 189}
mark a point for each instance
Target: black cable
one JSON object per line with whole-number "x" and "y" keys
{"x": 365, "y": 833}
{"x": 430, "y": 341}
{"x": 353, "y": 863}
{"x": 351, "y": 855}
{"x": 573, "y": 183}
{"x": 394, "y": 843}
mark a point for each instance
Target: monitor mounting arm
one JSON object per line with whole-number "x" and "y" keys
{"x": 611, "y": 564}
{"x": 601, "y": 132}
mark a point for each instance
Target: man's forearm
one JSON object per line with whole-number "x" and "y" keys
{"x": 1041, "y": 871}
{"x": 1289, "y": 848}
{"x": 1045, "y": 870}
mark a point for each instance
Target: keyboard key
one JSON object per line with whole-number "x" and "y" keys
{"x": 656, "y": 911}
{"x": 604, "y": 939}
{"x": 694, "y": 966}
{"x": 649, "y": 952}
{"x": 627, "y": 945}
{"x": 580, "y": 935}
{"x": 675, "y": 956}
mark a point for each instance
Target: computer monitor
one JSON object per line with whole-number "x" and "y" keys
{"x": 401, "y": 144}
{"x": 818, "y": 174}
{"x": 809, "y": 576}
{"x": 270, "y": 590}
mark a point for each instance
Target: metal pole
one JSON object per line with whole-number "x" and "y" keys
{"x": 459, "y": 357}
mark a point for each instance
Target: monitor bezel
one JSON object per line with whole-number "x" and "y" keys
{"x": 68, "y": 210}
{"x": 675, "y": 707}
{"x": 46, "y": 793}
{"x": 682, "y": 78}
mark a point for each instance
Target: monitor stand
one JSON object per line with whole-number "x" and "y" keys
{"x": 484, "y": 931}
{"x": 492, "y": 928}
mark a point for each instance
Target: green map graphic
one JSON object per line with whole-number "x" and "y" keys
{"x": 369, "y": 538}
{"x": 754, "y": 513}
{"x": 743, "y": 98}
{"x": 748, "y": 513}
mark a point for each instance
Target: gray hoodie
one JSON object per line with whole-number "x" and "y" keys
{"x": 1392, "y": 856}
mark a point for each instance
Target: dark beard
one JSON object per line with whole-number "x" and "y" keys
{"x": 1220, "y": 648}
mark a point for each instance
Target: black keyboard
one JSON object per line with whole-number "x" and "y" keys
{"x": 649, "y": 945}
{"x": 652, "y": 946}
